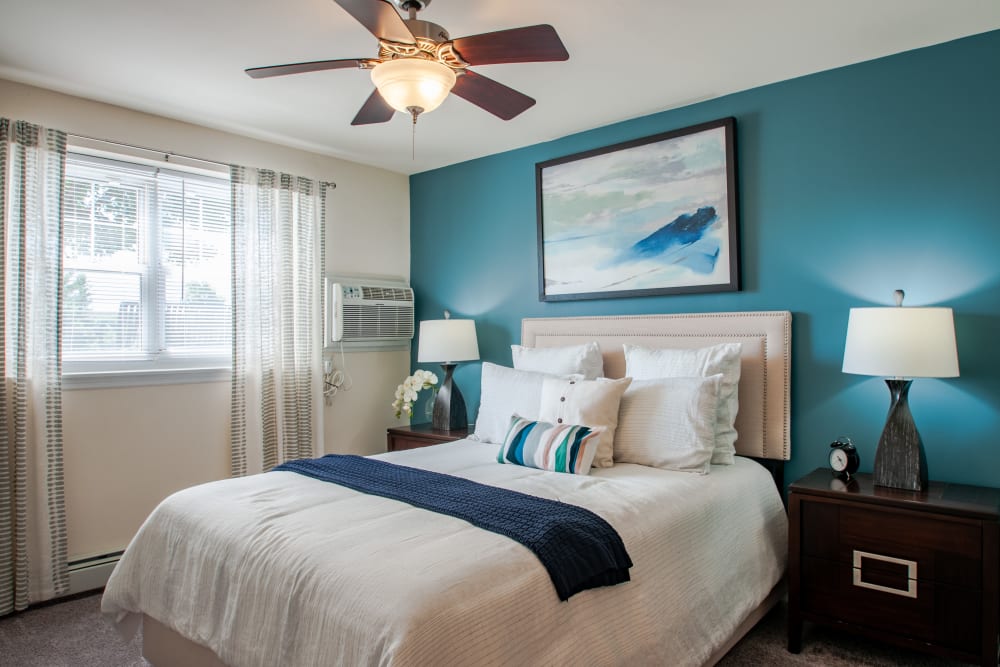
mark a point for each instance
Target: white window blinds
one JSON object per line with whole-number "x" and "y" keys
{"x": 146, "y": 266}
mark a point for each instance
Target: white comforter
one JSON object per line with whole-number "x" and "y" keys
{"x": 283, "y": 570}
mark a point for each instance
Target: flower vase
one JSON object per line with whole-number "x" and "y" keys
{"x": 429, "y": 406}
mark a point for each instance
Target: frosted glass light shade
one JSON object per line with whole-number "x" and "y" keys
{"x": 901, "y": 342}
{"x": 447, "y": 341}
{"x": 416, "y": 83}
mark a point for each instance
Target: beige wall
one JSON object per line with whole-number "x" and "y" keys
{"x": 126, "y": 449}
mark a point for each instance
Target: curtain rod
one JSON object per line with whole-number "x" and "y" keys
{"x": 166, "y": 155}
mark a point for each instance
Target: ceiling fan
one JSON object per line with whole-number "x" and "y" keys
{"x": 418, "y": 64}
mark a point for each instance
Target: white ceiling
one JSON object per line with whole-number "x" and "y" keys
{"x": 185, "y": 59}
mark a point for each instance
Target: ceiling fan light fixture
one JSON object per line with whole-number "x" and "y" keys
{"x": 408, "y": 83}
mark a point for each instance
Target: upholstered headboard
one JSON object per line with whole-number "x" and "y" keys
{"x": 762, "y": 423}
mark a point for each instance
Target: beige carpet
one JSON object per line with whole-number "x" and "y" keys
{"x": 74, "y": 634}
{"x": 65, "y": 634}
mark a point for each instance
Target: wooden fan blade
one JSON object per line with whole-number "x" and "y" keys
{"x": 381, "y": 19}
{"x": 374, "y": 110}
{"x": 492, "y": 96}
{"x": 537, "y": 43}
{"x": 299, "y": 68}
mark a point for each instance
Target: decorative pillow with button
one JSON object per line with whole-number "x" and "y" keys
{"x": 505, "y": 392}
{"x": 592, "y": 403}
{"x": 556, "y": 447}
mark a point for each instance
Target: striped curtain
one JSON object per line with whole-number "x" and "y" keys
{"x": 278, "y": 260}
{"x": 32, "y": 513}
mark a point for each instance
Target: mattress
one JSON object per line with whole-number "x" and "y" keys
{"x": 283, "y": 569}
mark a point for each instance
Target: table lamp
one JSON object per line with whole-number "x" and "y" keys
{"x": 900, "y": 344}
{"x": 446, "y": 342}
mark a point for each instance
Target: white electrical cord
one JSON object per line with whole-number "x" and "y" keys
{"x": 335, "y": 380}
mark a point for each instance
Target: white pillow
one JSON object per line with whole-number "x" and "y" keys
{"x": 669, "y": 423}
{"x": 592, "y": 403}
{"x": 505, "y": 392}
{"x": 584, "y": 359}
{"x": 644, "y": 363}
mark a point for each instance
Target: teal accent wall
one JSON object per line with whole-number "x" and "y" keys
{"x": 853, "y": 182}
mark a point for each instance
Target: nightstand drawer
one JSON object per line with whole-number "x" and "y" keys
{"x": 420, "y": 435}
{"x": 401, "y": 442}
{"x": 938, "y": 613}
{"x": 941, "y": 550}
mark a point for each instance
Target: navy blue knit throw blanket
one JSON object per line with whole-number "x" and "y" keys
{"x": 579, "y": 549}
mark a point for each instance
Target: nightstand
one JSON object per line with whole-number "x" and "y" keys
{"x": 915, "y": 569}
{"x": 421, "y": 435}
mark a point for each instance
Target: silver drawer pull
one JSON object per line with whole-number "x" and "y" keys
{"x": 911, "y": 574}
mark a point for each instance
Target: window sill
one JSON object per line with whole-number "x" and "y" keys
{"x": 145, "y": 378}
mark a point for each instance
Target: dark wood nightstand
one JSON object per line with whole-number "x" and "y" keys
{"x": 916, "y": 569}
{"x": 421, "y": 435}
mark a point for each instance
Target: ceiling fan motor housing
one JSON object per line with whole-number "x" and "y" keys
{"x": 427, "y": 29}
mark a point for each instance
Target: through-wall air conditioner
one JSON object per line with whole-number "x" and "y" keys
{"x": 365, "y": 313}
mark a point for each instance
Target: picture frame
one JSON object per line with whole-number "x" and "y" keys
{"x": 651, "y": 216}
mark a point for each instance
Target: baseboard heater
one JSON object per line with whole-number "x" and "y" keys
{"x": 91, "y": 572}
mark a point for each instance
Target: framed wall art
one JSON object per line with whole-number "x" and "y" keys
{"x": 652, "y": 216}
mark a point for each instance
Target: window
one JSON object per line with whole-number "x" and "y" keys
{"x": 146, "y": 268}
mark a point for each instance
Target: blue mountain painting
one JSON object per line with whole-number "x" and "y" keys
{"x": 683, "y": 242}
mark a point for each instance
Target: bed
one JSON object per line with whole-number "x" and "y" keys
{"x": 279, "y": 569}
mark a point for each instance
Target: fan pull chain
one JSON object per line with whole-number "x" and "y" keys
{"x": 414, "y": 111}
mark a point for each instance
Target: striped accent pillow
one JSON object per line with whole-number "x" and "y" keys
{"x": 556, "y": 447}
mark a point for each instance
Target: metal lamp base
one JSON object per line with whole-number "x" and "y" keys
{"x": 900, "y": 461}
{"x": 449, "y": 406}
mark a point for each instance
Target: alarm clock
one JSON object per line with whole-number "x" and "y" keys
{"x": 844, "y": 458}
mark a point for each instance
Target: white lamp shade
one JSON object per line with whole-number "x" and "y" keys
{"x": 447, "y": 341}
{"x": 413, "y": 82}
{"x": 901, "y": 342}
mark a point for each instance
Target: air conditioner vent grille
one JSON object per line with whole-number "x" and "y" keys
{"x": 377, "y": 321}
{"x": 386, "y": 293}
